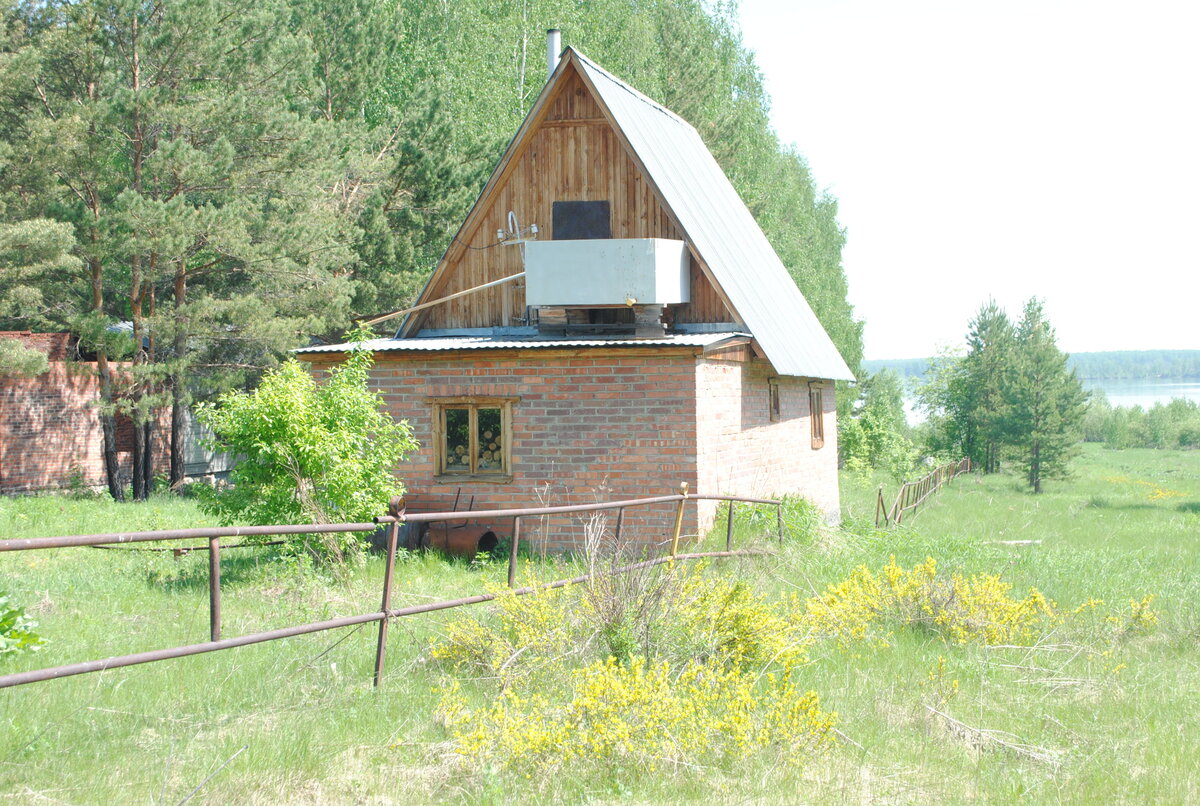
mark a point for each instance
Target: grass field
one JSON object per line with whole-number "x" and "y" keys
{"x": 1093, "y": 712}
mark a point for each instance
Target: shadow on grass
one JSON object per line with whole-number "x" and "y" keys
{"x": 1189, "y": 506}
{"x": 1104, "y": 503}
{"x": 240, "y": 565}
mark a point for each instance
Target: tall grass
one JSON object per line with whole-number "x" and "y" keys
{"x": 1094, "y": 712}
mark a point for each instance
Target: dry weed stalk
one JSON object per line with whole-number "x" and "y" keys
{"x": 627, "y": 606}
{"x": 981, "y": 738}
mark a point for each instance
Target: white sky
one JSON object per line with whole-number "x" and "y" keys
{"x": 1047, "y": 148}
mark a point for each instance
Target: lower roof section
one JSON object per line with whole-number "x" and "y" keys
{"x": 449, "y": 343}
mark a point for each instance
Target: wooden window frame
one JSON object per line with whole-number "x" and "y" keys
{"x": 473, "y": 404}
{"x": 774, "y": 400}
{"x": 816, "y": 414}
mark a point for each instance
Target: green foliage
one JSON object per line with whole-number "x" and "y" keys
{"x": 16, "y": 629}
{"x": 237, "y": 178}
{"x": 1043, "y": 402}
{"x": 1012, "y": 396}
{"x": 1061, "y": 695}
{"x": 310, "y": 452}
{"x": 19, "y": 361}
{"x": 964, "y": 397}
{"x": 1137, "y": 364}
{"x": 1172, "y": 425}
{"x": 875, "y": 436}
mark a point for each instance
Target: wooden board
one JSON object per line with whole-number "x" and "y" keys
{"x": 569, "y": 153}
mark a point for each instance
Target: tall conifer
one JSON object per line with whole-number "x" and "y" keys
{"x": 1044, "y": 401}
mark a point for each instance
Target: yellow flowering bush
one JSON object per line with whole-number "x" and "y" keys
{"x": 644, "y": 713}
{"x": 1141, "y": 619}
{"x": 714, "y": 670}
{"x": 978, "y": 608}
{"x": 717, "y": 617}
{"x": 536, "y": 625}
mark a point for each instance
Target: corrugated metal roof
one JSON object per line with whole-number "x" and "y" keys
{"x": 722, "y": 230}
{"x": 509, "y": 343}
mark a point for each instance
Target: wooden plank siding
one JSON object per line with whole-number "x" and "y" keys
{"x": 570, "y": 153}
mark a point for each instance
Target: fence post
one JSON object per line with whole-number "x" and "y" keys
{"x": 779, "y": 522}
{"x": 214, "y": 588}
{"x": 617, "y": 529}
{"x": 512, "y": 552}
{"x": 729, "y": 529}
{"x": 396, "y": 510}
{"x": 683, "y": 490}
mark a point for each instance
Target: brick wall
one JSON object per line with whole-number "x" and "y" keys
{"x": 742, "y": 452}
{"x": 603, "y": 425}
{"x": 50, "y": 434}
{"x": 587, "y": 428}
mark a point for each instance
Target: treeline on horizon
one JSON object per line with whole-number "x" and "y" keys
{"x": 237, "y": 179}
{"x": 1110, "y": 365}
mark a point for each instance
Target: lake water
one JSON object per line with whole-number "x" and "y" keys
{"x": 1144, "y": 393}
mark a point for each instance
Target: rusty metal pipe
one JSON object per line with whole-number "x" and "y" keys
{"x": 214, "y": 589}
{"x": 69, "y": 670}
{"x": 397, "y": 509}
{"x": 69, "y": 541}
{"x": 496, "y": 514}
{"x": 512, "y": 552}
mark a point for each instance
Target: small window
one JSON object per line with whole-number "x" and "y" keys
{"x": 816, "y": 415}
{"x": 773, "y": 405}
{"x": 472, "y": 438}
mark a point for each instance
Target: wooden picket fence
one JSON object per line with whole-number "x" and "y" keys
{"x": 913, "y": 493}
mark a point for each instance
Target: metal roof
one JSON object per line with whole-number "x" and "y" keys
{"x": 721, "y": 229}
{"x": 510, "y": 343}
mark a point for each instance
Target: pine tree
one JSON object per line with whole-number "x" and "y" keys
{"x": 984, "y": 377}
{"x": 174, "y": 141}
{"x": 1044, "y": 401}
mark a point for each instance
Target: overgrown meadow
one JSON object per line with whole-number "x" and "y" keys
{"x": 1000, "y": 647}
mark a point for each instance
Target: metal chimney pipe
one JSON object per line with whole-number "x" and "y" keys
{"x": 553, "y": 49}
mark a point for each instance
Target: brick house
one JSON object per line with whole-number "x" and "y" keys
{"x": 609, "y": 321}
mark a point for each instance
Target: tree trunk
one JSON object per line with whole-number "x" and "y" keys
{"x": 147, "y": 434}
{"x": 1035, "y": 470}
{"x": 177, "y": 382}
{"x": 108, "y": 427}
{"x": 138, "y": 413}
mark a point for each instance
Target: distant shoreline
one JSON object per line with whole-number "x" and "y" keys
{"x": 1115, "y": 365}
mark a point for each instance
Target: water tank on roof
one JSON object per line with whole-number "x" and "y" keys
{"x": 606, "y": 271}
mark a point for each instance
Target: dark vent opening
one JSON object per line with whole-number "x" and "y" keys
{"x": 610, "y": 316}
{"x": 580, "y": 220}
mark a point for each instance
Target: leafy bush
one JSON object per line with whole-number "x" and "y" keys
{"x": 876, "y": 437}
{"x": 1172, "y": 425}
{"x": 308, "y": 452}
{"x": 16, "y": 629}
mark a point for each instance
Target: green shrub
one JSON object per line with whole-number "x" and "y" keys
{"x": 1172, "y": 425}
{"x": 308, "y": 452}
{"x": 16, "y": 629}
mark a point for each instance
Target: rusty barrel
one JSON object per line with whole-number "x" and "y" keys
{"x": 462, "y": 541}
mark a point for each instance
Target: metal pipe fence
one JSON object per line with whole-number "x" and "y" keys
{"x": 913, "y": 493}
{"x": 395, "y": 517}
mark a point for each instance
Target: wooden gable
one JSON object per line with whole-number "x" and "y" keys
{"x": 567, "y": 150}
